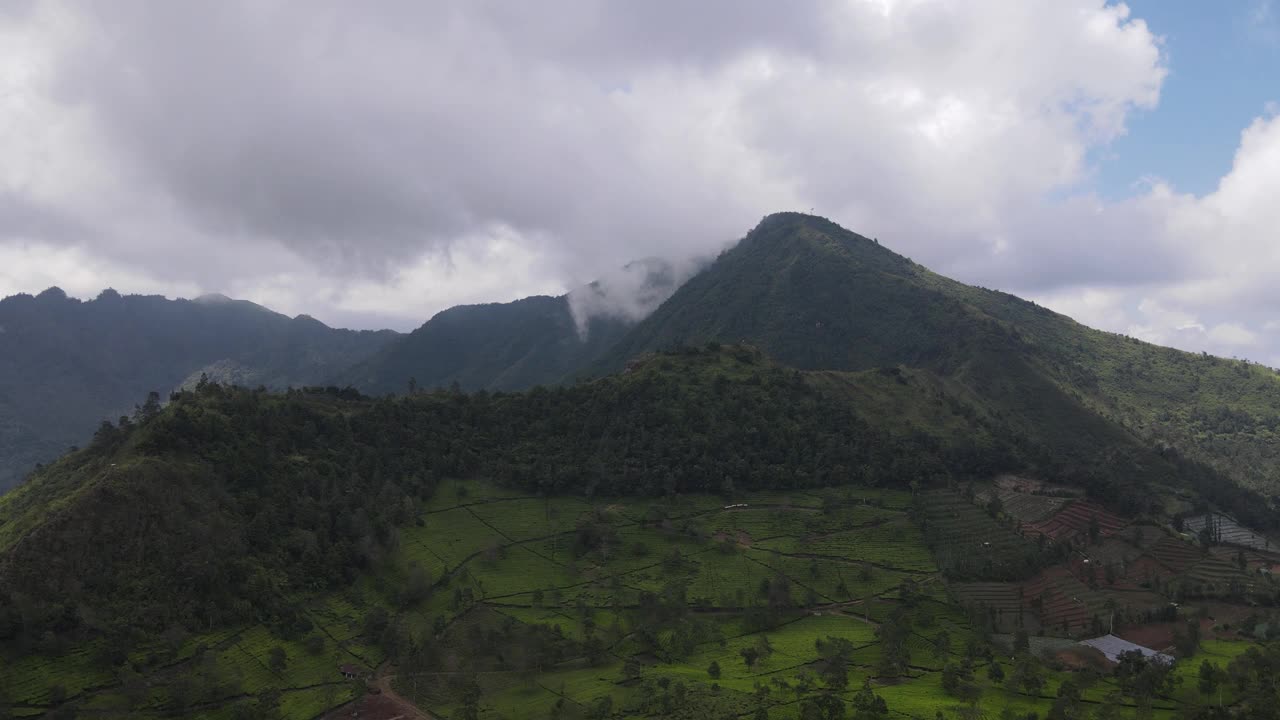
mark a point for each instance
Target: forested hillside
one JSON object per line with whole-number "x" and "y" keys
{"x": 246, "y": 495}
{"x": 816, "y": 296}
{"x": 226, "y": 552}
{"x": 65, "y": 365}
{"x": 499, "y": 346}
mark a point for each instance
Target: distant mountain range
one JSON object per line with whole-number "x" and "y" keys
{"x": 66, "y": 365}
{"x": 808, "y": 293}
{"x": 808, "y": 365}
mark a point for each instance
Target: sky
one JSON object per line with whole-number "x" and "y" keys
{"x": 373, "y": 163}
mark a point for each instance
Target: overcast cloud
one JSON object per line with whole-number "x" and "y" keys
{"x": 373, "y": 163}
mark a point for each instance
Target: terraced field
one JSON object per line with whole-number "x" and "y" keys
{"x": 687, "y": 607}
{"x": 1028, "y": 507}
{"x": 1176, "y": 555}
{"x": 1216, "y": 577}
{"x": 969, "y": 544}
{"x": 1003, "y": 603}
{"x": 1227, "y": 531}
{"x": 1077, "y": 520}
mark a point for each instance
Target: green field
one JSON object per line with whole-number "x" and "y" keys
{"x": 560, "y": 607}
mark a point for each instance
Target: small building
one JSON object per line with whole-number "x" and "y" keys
{"x": 349, "y": 672}
{"x": 1113, "y": 647}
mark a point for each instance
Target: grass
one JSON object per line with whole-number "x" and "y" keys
{"x": 497, "y": 561}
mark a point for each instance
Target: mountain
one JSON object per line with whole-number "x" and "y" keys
{"x": 66, "y": 365}
{"x": 498, "y": 346}
{"x": 814, "y": 448}
{"x": 816, "y": 296}
{"x": 513, "y": 346}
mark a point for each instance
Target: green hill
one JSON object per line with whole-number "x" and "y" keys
{"x": 66, "y": 365}
{"x": 513, "y": 346}
{"x": 816, "y": 296}
{"x": 499, "y": 346}
{"x": 658, "y": 543}
{"x": 819, "y": 480}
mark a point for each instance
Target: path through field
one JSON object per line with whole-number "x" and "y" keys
{"x": 386, "y": 704}
{"x": 411, "y": 711}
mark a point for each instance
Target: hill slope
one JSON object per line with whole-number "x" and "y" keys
{"x": 220, "y": 557}
{"x": 498, "y": 346}
{"x": 814, "y": 295}
{"x": 176, "y": 518}
{"x": 66, "y": 365}
{"x": 539, "y": 340}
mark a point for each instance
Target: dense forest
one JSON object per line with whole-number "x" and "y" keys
{"x": 215, "y": 508}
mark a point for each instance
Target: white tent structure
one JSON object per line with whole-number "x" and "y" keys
{"x": 1113, "y": 647}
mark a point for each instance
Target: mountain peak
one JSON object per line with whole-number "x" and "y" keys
{"x": 52, "y": 294}
{"x": 305, "y": 320}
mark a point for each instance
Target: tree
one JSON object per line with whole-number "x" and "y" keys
{"x": 895, "y": 656}
{"x": 1187, "y": 638}
{"x": 834, "y": 654}
{"x": 470, "y": 701}
{"x": 764, "y": 648}
{"x": 867, "y": 705}
{"x": 1021, "y": 642}
{"x": 942, "y": 645}
{"x": 713, "y": 670}
{"x": 1026, "y": 675}
{"x": 417, "y": 585}
{"x": 277, "y": 659}
{"x": 1210, "y": 677}
{"x": 1143, "y": 679}
{"x": 1067, "y": 705}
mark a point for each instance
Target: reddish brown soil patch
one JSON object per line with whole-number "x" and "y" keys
{"x": 1157, "y": 636}
{"x": 1079, "y": 658}
{"x": 1074, "y": 520}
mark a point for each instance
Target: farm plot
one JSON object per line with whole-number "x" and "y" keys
{"x": 1214, "y": 576}
{"x": 1176, "y": 555}
{"x": 895, "y": 546}
{"x": 1005, "y": 605}
{"x": 1079, "y": 519}
{"x": 1223, "y": 529}
{"x": 830, "y": 580}
{"x": 526, "y": 519}
{"x": 970, "y": 545}
{"x": 35, "y": 678}
{"x": 447, "y": 540}
{"x": 1028, "y": 508}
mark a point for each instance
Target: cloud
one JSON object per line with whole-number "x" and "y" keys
{"x": 375, "y": 163}
{"x": 632, "y": 291}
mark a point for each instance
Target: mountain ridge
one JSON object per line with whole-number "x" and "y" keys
{"x": 68, "y": 364}
{"x": 842, "y": 465}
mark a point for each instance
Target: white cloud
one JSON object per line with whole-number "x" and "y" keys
{"x": 377, "y": 163}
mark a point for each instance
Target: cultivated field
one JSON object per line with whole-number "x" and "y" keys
{"x": 689, "y": 607}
